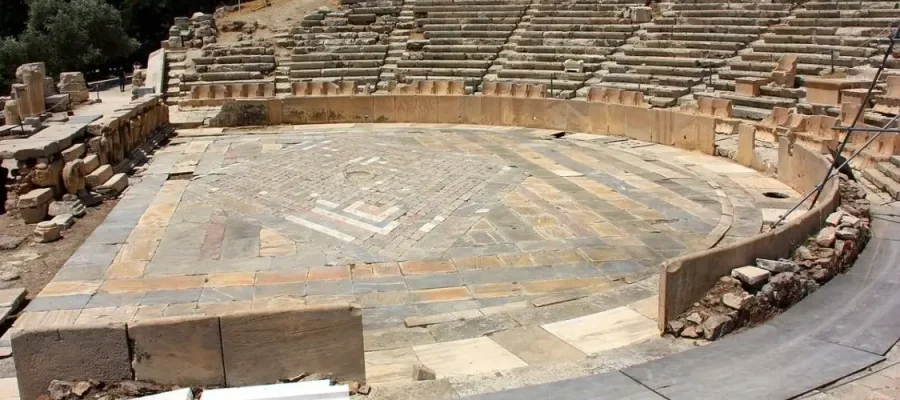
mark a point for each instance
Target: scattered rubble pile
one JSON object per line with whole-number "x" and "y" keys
{"x": 194, "y": 32}
{"x": 753, "y": 294}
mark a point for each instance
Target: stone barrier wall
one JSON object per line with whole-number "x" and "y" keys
{"x": 668, "y": 127}
{"x": 684, "y": 280}
{"x": 256, "y": 347}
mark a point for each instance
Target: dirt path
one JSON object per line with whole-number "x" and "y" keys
{"x": 281, "y": 14}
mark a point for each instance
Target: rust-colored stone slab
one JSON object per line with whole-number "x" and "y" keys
{"x": 264, "y": 347}
{"x": 184, "y": 351}
{"x": 80, "y": 353}
{"x": 384, "y": 109}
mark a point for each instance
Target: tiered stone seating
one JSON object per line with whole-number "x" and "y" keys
{"x": 680, "y": 51}
{"x": 459, "y": 39}
{"x": 825, "y": 36}
{"x": 431, "y": 88}
{"x": 221, "y": 65}
{"x": 582, "y": 32}
{"x": 350, "y": 44}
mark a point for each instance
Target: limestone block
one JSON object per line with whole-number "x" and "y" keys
{"x": 11, "y": 112}
{"x": 72, "y": 178}
{"x": 35, "y": 198}
{"x": 641, "y": 15}
{"x": 184, "y": 351}
{"x": 264, "y": 347}
{"x": 753, "y": 276}
{"x": 76, "y": 354}
{"x": 746, "y": 144}
{"x": 74, "y": 207}
{"x": 574, "y": 66}
{"x": 112, "y": 187}
{"x": 47, "y": 175}
{"x": 72, "y": 82}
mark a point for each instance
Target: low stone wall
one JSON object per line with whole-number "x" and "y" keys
{"x": 684, "y": 280}
{"x": 257, "y": 347}
{"x": 76, "y": 160}
{"x": 671, "y": 128}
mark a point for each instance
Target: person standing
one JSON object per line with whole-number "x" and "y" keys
{"x": 122, "y": 79}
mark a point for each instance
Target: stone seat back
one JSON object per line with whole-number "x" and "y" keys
{"x": 468, "y": 27}
{"x": 618, "y": 36}
{"x": 714, "y": 28}
{"x": 701, "y": 37}
{"x": 566, "y": 27}
{"x": 482, "y": 20}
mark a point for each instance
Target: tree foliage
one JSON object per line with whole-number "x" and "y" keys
{"x": 68, "y": 35}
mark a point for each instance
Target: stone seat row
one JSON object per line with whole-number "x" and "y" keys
{"x": 232, "y": 90}
{"x": 342, "y": 88}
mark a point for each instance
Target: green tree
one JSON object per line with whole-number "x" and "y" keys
{"x": 12, "y": 54}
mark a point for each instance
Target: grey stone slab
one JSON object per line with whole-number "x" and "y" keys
{"x": 384, "y": 284}
{"x": 660, "y": 241}
{"x": 499, "y": 301}
{"x": 114, "y": 300}
{"x": 607, "y": 386}
{"x": 226, "y": 294}
{"x": 391, "y": 315}
{"x": 472, "y": 328}
{"x": 302, "y": 260}
{"x": 54, "y": 303}
{"x": 432, "y": 281}
{"x": 290, "y": 290}
{"x": 482, "y": 250}
{"x": 343, "y": 286}
{"x": 171, "y": 296}
{"x": 621, "y": 267}
{"x": 763, "y": 363}
{"x": 861, "y": 314}
{"x": 878, "y": 261}
{"x": 498, "y": 275}
{"x": 82, "y": 273}
{"x": 445, "y": 307}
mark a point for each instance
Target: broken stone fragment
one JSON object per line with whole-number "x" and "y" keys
{"x": 64, "y": 220}
{"x": 738, "y": 302}
{"x": 804, "y": 253}
{"x": 777, "y": 266}
{"x": 676, "y": 327}
{"x": 692, "y": 332}
{"x": 847, "y": 234}
{"x": 717, "y": 326}
{"x": 423, "y": 373}
{"x": 834, "y": 219}
{"x": 47, "y": 231}
{"x": 753, "y": 276}
{"x": 849, "y": 220}
{"x": 826, "y": 236}
{"x": 695, "y": 318}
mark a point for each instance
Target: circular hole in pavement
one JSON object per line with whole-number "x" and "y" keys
{"x": 775, "y": 195}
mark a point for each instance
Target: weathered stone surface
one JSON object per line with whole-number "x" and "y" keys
{"x": 834, "y": 219}
{"x": 849, "y": 220}
{"x": 76, "y": 353}
{"x": 73, "y": 207}
{"x": 422, "y": 373}
{"x": 89, "y": 163}
{"x": 180, "y": 351}
{"x": 73, "y": 152}
{"x": 777, "y": 266}
{"x": 113, "y": 186}
{"x": 10, "y": 242}
{"x": 717, "y": 325}
{"x": 33, "y": 215}
{"x": 99, "y": 176}
{"x": 264, "y": 347}
{"x": 738, "y": 302}
{"x": 64, "y": 221}
{"x": 676, "y": 327}
{"x": 826, "y": 236}
{"x": 695, "y": 318}
{"x": 73, "y": 180}
{"x": 692, "y": 332}
{"x": 804, "y": 253}
{"x": 35, "y": 198}
{"x": 752, "y": 276}
{"x": 847, "y": 234}
{"x": 47, "y": 231}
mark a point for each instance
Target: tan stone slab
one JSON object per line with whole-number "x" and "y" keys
{"x": 426, "y": 267}
{"x": 216, "y": 309}
{"x": 328, "y": 273}
{"x": 605, "y": 330}
{"x": 494, "y": 290}
{"x": 350, "y": 109}
{"x": 182, "y": 351}
{"x": 60, "y": 318}
{"x": 230, "y": 279}
{"x": 272, "y": 243}
{"x": 536, "y": 346}
{"x": 386, "y": 366}
{"x": 513, "y": 112}
{"x": 64, "y": 288}
{"x": 578, "y": 116}
{"x": 648, "y": 307}
{"x": 279, "y": 277}
{"x": 440, "y": 295}
{"x": 9, "y": 389}
{"x": 467, "y": 357}
{"x": 639, "y": 122}
{"x": 471, "y": 109}
{"x": 126, "y": 270}
{"x": 266, "y": 346}
{"x": 384, "y": 109}
{"x": 386, "y": 269}
{"x": 746, "y": 144}
{"x": 616, "y": 119}
{"x": 105, "y": 315}
{"x": 490, "y": 111}
{"x": 173, "y": 282}
{"x": 561, "y": 285}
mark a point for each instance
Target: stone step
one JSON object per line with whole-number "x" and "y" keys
{"x": 684, "y": 62}
{"x": 727, "y": 29}
{"x": 99, "y": 176}
{"x": 456, "y": 72}
{"x": 729, "y": 13}
{"x": 767, "y": 67}
{"x": 652, "y": 79}
{"x": 765, "y": 102}
{"x": 557, "y": 57}
{"x": 113, "y": 186}
{"x": 649, "y": 90}
{"x": 844, "y": 22}
{"x": 846, "y": 5}
{"x": 775, "y": 38}
{"x": 294, "y": 66}
{"x": 558, "y": 84}
{"x": 814, "y": 48}
{"x": 543, "y": 74}
{"x": 334, "y": 72}
{"x": 761, "y": 22}
{"x": 613, "y": 36}
{"x": 671, "y": 52}
{"x": 688, "y": 44}
{"x": 752, "y": 113}
{"x": 546, "y": 27}
{"x": 336, "y": 57}
{"x": 470, "y": 20}
{"x": 742, "y": 38}
{"x": 817, "y": 59}
{"x": 883, "y": 182}
{"x": 890, "y": 170}
{"x": 895, "y": 160}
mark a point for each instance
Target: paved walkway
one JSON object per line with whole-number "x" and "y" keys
{"x": 471, "y": 249}
{"x": 845, "y": 332}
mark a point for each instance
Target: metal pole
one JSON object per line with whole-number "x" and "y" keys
{"x": 818, "y": 189}
{"x": 862, "y": 109}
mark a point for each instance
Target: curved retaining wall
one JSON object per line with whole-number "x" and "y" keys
{"x": 683, "y": 280}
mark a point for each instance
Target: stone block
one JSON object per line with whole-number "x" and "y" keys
{"x": 79, "y": 353}
{"x": 47, "y": 231}
{"x": 113, "y": 186}
{"x": 64, "y": 221}
{"x": 746, "y": 144}
{"x": 264, "y": 347}
{"x": 33, "y": 215}
{"x": 36, "y": 198}
{"x": 99, "y": 176}
{"x": 89, "y": 164}
{"x": 184, "y": 351}
{"x": 74, "y": 151}
{"x": 750, "y": 275}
